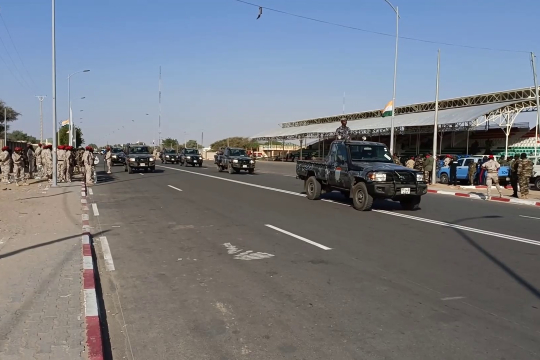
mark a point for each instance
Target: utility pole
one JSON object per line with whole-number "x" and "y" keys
{"x": 533, "y": 62}
{"x": 54, "y": 158}
{"x": 5, "y": 125}
{"x": 159, "y": 116}
{"x": 435, "y": 125}
{"x": 40, "y": 98}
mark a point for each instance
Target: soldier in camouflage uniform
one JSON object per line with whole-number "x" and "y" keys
{"x": 396, "y": 159}
{"x": 524, "y": 172}
{"x": 343, "y": 132}
{"x": 513, "y": 175}
{"x": 471, "y": 172}
{"x": 419, "y": 163}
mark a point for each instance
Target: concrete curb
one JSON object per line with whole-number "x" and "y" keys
{"x": 94, "y": 343}
{"x": 482, "y": 187}
{"x": 483, "y": 197}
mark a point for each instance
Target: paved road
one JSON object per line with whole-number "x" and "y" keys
{"x": 210, "y": 265}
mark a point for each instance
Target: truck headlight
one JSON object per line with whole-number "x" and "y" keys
{"x": 166, "y": 156}
{"x": 377, "y": 176}
{"x": 131, "y": 159}
{"x": 419, "y": 177}
{"x": 152, "y": 159}
{"x": 189, "y": 157}
{"x": 253, "y": 162}
{"x": 235, "y": 161}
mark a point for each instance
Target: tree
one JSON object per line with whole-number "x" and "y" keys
{"x": 240, "y": 142}
{"x": 18, "y": 135}
{"x": 64, "y": 136}
{"x": 12, "y": 115}
{"x": 192, "y": 144}
{"x": 169, "y": 143}
{"x": 93, "y": 146}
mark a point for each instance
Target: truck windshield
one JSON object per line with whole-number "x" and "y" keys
{"x": 192, "y": 151}
{"x": 170, "y": 152}
{"x": 116, "y": 150}
{"x": 370, "y": 153}
{"x": 238, "y": 152}
{"x": 139, "y": 150}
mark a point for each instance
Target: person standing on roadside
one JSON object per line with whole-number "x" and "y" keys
{"x": 396, "y": 160}
{"x": 88, "y": 159}
{"x": 492, "y": 175}
{"x": 61, "y": 158}
{"x": 514, "y": 175}
{"x": 5, "y": 162}
{"x": 410, "y": 163}
{"x": 428, "y": 168}
{"x": 419, "y": 163}
{"x": 46, "y": 159}
{"x": 524, "y": 172}
{"x": 108, "y": 159}
{"x": 31, "y": 161}
{"x": 68, "y": 158}
{"x": 471, "y": 171}
{"x": 39, "y": 162}
{"x": 18, "y": 166}
{"x": 453, "y": 164}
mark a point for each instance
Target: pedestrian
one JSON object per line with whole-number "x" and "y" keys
{"x": 419, "y": 163}
{"x": 18, "y": 166}
{"x": 481, "y": 178}
{"x": 61, "y": 160}
{"x": 5, "y": 164}
{"x": 396, "y": 160}
{"x": 80, "y": 163}
{"x": 343, "y": 132}
{"x": 39, "y": 162}
{"x": 471, "y": 171}
{"x": 410, "y": 163}
{"x": 514, "y": 175}
{"x": 453, "y": 164}
{"x": 108, "y": 159}
{"x": 88, "y": 164}
{"x": 524, "y": 172}
{"x": 447, "y": 160}
{"x": 31, "y": 161}
{"x": 46, "y": 158}
{"x": 68, "y": 158}
{"x": 492, "y": 175}
{"x": 428, "y": 168}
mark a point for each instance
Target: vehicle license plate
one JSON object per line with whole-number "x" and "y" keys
{"x": 245, "y": 166}
{"x": 405, "y": 191}
{"x": 143, "y": 164}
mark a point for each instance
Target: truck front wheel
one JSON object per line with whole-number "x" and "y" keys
{"x": 313, "y": 188}
{"x": 362, "y": 201}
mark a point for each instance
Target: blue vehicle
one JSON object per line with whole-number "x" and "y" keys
{"x": 463, "y": 171}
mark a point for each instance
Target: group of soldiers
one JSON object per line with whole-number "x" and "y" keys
{"x": 40, "y": 163}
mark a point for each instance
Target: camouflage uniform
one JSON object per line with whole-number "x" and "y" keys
{"x": 396, "y": 160}
{"x": 343, "y": 133}
{"x": 5, "y": 163}
{"x": 419, "y": 163}
{"x": 472, "y": 172}
{"x": 524, "y": 171}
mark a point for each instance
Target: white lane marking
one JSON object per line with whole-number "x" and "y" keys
{"x": 95, "y": 209}
{"x": 298, "y": 237}
{"x": 91, "y": 192}
{"x": 459, "y": 227}
{"x": 175, "y": 188}
{"x": 107, "y": 256}
{"x": 489, "y": 233}
{"x": 335, "y": 202}
{"x": 236, "y": 181}
{"x": 141, "y": 174}
{"x": 246, "y": 255}
{"x": 530, "y": 217}
{"x": 453, "y": 298}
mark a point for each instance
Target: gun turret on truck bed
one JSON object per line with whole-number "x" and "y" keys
{"x": 363, "y": 171}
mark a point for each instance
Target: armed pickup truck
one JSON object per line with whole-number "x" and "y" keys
{"x": 363, "y": 171}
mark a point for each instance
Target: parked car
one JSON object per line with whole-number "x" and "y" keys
{"x": 463, "y": 171}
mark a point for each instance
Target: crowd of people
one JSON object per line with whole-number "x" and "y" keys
{"x": 19, "y": 165}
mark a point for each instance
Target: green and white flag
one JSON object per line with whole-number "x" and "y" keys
{"x": 388, "y": 109}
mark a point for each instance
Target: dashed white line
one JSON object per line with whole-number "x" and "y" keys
{"x": 141, "y": 174}
{"x": 90, "y": 191}
{"x": 453, "y": 298}
{"x": 434, "y": 222}
{"x": 107, "y": 256}
{"x": 298, "y": 237}
{"x": 95, "y": 209}
{"x": 175, "y": 188}
{"x": 530, "y": 217}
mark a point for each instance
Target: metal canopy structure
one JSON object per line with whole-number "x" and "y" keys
{"x": 523, "y": 94}
{"x": 452, "y": 119}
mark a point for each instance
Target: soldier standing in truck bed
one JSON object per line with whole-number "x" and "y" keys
{"x": 343, "y": 132}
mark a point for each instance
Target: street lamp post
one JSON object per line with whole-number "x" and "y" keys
{"x": 53, "y": 33}
{"x": 69, "y": 104}
{"x": 396, "y": 10}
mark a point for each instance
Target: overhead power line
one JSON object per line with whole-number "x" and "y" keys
{"x": 378, "y": 32}
{"x": 17, "y": 51}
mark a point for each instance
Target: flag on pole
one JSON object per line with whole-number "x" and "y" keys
{"x": 65, "y": 122}
{"x": 387, "y": 111}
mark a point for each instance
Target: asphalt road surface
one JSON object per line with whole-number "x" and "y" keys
{"x": 209, "y": 265}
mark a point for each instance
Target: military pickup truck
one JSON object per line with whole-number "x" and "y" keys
{"x": 138, "y": 157}
{"x": 169, "y": 156}
{"x": 363, "y": 171}
{"x": 190, "y": 157}
{"x": 235, "y": 160}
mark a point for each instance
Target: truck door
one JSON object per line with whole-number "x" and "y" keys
{"x": 462, "y": 171}
{"x": 342, "y": 167}
{"x": 331, "y": 162}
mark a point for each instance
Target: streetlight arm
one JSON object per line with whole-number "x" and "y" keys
{"x": 393, "y": 7}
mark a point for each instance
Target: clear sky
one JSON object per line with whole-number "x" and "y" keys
{"x": 228, "y": 74}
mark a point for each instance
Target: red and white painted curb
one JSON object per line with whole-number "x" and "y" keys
{"x": 483, "y": 197}
{"x": 94, "y": 343}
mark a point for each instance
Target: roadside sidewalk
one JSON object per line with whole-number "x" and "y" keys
{"x": 41, "y": 303}
{"x": 481, "y": 194}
